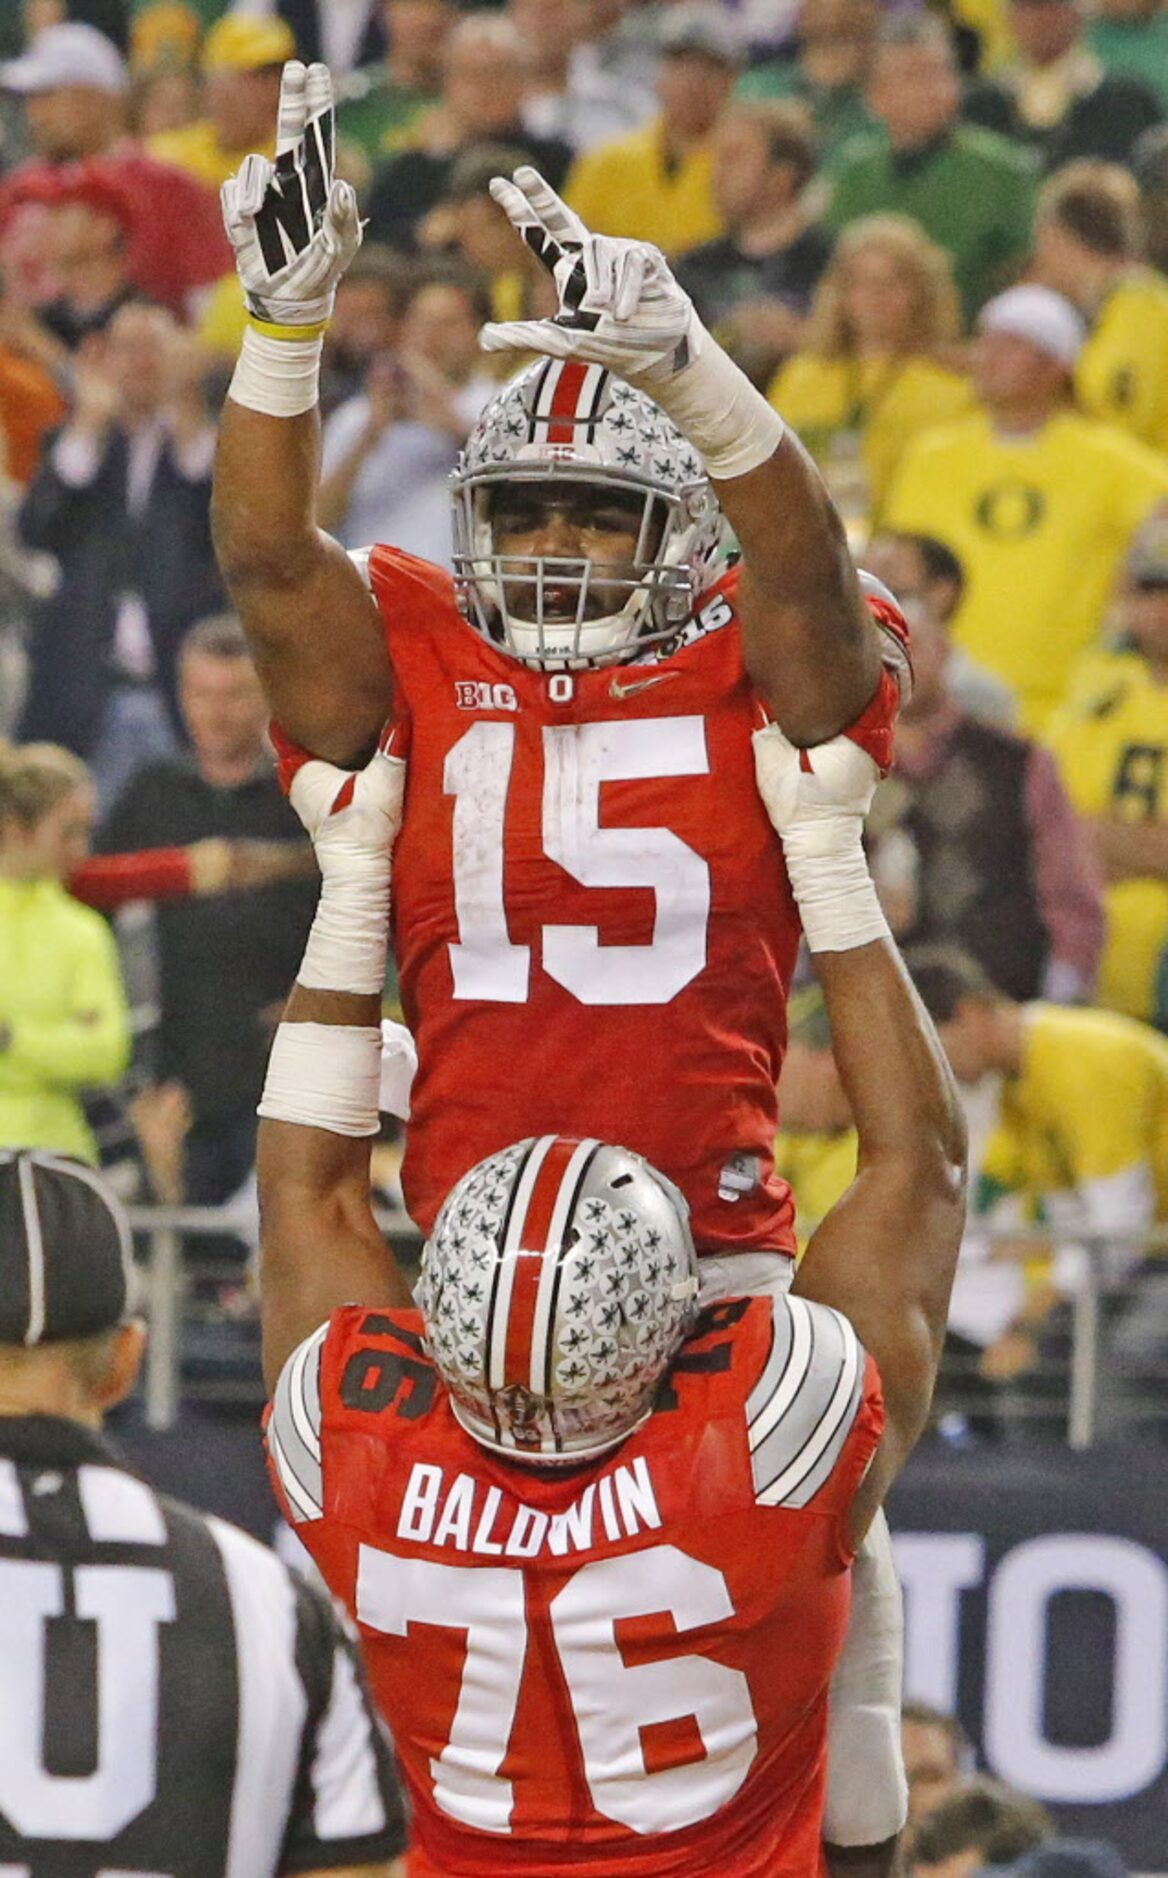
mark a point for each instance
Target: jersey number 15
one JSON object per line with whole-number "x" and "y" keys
{"x": 577, "y": 759}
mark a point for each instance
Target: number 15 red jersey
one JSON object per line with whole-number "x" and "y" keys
{"x": 592, "y": 921}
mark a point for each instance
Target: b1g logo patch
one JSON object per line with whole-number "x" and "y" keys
{"x": 475, "y": 694}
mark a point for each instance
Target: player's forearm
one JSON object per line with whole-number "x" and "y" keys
{"x": 810, "y": 644}
{"x": 885, "y": 1255}
{"x": 864, "y": 1861}
{"x": 321, "y": 1246}
{"x": 263, "y": 499}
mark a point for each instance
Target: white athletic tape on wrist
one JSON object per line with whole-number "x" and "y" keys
{"x": 279, "y": 377}
{"x": 348, "y": 943}
{"x": 833, "y": 888}
{"x": 867, "y": 1793}
{"x": 715, "y": 405}
{"x": 324, "y": 1076}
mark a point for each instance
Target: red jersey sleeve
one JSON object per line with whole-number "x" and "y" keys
{"x": 107, "y": 881}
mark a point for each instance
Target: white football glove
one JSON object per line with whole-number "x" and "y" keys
{"x": 352, "y": 818}
{"x": 293, "y": 226}
{"x": 620, "y": 306}
{"x": 817, "y": 800}
{"x": 817, "y": 794}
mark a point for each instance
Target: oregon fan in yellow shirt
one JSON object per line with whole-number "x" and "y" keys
{"x": 242, "y": 60}
{"x": 655, "y": 184}
{"x": 1082, "y": 1129}
{"x": 1038, "y": 502}
{"x": 1111, "y": 745}
{"x": 885, "y": 401}
{"x": 1087, "y": 242}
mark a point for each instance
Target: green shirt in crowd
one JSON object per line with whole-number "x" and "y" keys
{"x": 838, "y": 112}
{"x": 1134, "y": 49}
{"x": 971, "y": 190}
{"x": 377, "y": 115}
{"x": 63, "y": 1020}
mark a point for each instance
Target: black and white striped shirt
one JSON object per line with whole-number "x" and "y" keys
{"x": 174, "y": 1703}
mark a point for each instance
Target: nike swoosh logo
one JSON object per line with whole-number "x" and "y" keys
{"x": 618, "y": 690}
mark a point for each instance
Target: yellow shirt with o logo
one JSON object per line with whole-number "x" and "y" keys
{"x": 1122, "y": 373}
{"x": 1112, "y": 752}
{"x": 1041, "y": 524}
{"x": 1089, "y": 1105}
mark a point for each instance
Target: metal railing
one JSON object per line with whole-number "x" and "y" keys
{"x": 167, "y": 1276}
{"x": 173, "y": 1270}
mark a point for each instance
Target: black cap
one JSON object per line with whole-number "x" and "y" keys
{"x": 66, "y": 1265}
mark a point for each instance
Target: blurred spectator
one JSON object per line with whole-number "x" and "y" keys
{"x": 655, "y": 184}
{"x": 982, "y": 1823}
{"x": 380, "y": 104}
{"x": 242, "y": 61}
{"x": 972, "y": 192}
{"x": 754, "y": 284}
{"x": 1038, "y": 503}
{"x": 1071, "y": 1858}
{"x": 388, "y": 452}
{"x": 85, "y": 246}
{"x": 1055, "y": 95}
{"x": 74, "y": 90}
{"x": 484, "y": 76}
{"x": 995, "y": 860}
{"x": 1112, "y": 748}
{"x": 30, "y": 405}
{"x": 570, "y": 98}
{"x": 226, "y": 961}
{"x": 1130, "y": 40}
{"x": 63, "y": 1020}
{"x": 167, "y": 97}
{"x": 371, "y": 297}
{"x": 928, "y": 581}
{"x": 467, "y": 223}
{"x": 1149, "y": 163}
{"x": 828, "y": 72}
{"x": 130, "y": 470}
{"x": 969, "y": 192}
{"x": 343, "y": 36}
{"x": 1086, "y": 246}
{"x": 1079, "y": 1138}
{"x": 869, "y": 379}
{"x": 936, "y": 1753}
{"x": 815, "y": 1151}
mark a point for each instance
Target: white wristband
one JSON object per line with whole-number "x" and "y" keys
{"x": 280, "y": 377}
{"x": 833, "y": 888}
{"x": 324, "y": 1076}
{"x": 348, "y": 943}
{"x": 715, "y": 405}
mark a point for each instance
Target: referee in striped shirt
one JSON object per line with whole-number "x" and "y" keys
{"x": 174, "y": 1703}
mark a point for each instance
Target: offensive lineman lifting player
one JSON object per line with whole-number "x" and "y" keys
{"x": 597, "y": 1539}
{"x": 593, "y": 925}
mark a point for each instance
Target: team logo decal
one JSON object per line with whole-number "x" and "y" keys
{"x": 1010, "y": 510}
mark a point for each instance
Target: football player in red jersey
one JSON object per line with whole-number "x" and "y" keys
{"x": 593, "y": 925}
{"x": 597, "y": 1538}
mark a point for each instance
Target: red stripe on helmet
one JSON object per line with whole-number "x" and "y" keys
{"x": 565, "y": 399}
{"x": 531, "y": 1242}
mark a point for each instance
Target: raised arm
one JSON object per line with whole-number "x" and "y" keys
{"x": 811, "y": 646}
{"x": 313, "y": 627}
{"x": 886, "y": 1253}
{"x": 320, "y": 1246}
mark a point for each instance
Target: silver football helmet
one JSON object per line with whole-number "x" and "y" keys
{"x": 557, "y": 1284}
{"x": 577, "y": 428}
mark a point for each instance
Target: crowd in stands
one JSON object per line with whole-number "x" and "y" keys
{"x": 935, "y": 235}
